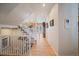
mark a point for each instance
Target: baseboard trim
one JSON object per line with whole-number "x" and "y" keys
{"x": 56, "y": 53}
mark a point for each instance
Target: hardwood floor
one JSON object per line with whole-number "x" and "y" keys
{"x": 42, "y": 48}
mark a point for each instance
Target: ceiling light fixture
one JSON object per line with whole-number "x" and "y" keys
{"x": 43, "y": 4}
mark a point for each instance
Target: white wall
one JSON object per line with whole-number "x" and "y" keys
{"x": 68, "y": 37}
{"x": 63, "y": 40}
{"x": 10, "y": 32}
{"x": 52, "y": 32}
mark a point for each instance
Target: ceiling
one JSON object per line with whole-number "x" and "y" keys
{"x": 16, "y": 13}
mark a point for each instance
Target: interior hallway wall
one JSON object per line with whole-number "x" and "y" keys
{"x": 10, "y": 32}
{"x": 68, "y": 33}
{"x": 63, "y": 37}
{"x": 52, "y": 32}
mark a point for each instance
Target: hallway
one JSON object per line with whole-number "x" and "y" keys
{"x": 42, "y": 48}
{"x": 22, "y": 26}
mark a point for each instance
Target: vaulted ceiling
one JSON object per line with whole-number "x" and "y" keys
{"x": 16, "y": 13}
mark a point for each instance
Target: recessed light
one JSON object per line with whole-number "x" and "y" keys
{"x": 43, "y": 4}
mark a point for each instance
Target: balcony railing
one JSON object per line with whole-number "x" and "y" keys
{"x": 15, "y": 45}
